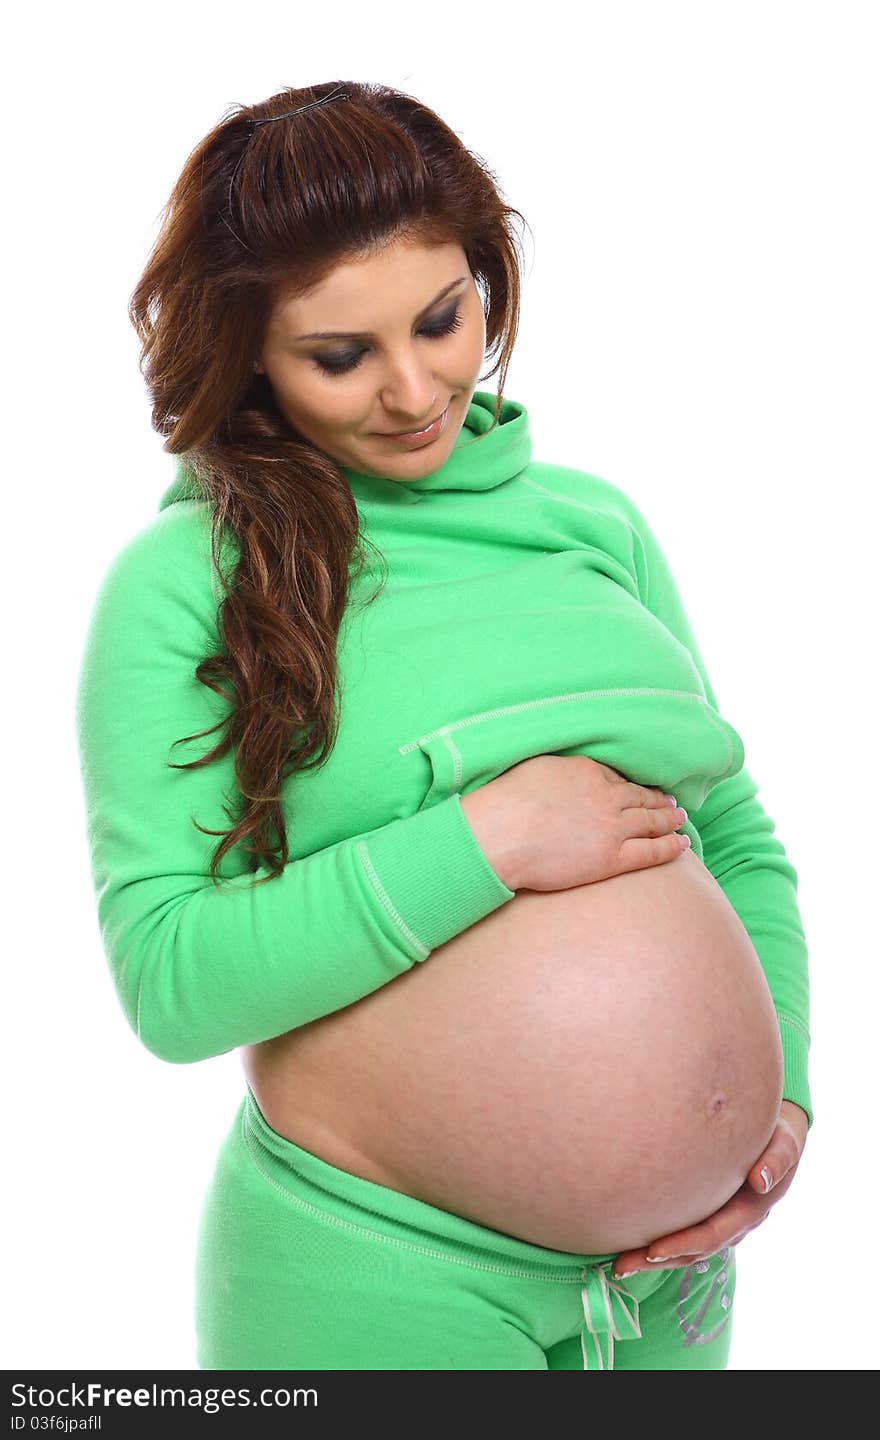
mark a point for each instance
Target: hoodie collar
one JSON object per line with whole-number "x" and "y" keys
{"x": 503, "y": 452}
{"x": 480, "y": 459}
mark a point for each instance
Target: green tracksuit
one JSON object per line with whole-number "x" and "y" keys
{"x": 528, "y": 609}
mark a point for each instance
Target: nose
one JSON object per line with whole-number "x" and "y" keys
{"x": 409, "y": 398}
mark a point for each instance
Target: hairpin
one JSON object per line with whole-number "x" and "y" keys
{"x": 334, "y": 95}
{"x": 337, "y": 94}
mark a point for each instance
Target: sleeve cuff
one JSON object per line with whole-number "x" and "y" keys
{"x": 430, "y": 875}
{"x": 795, "y": 1052}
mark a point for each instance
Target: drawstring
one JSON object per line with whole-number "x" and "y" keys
{"x": 606, "y": 1310}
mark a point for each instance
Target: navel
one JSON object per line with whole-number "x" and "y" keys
{"x": 717, "y": 1105}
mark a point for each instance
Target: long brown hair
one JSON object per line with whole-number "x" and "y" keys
{"x": 261, "y": 209}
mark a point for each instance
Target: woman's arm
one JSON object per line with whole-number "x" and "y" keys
{"x": 740, "y": 848}
{"x": 200, "y": 970}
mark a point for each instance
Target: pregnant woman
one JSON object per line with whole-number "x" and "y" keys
{"x": 405, "y": 777}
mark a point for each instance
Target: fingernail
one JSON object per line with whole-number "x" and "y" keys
{"x": 766, "y": 1177}
{"x": 656, "y": 1259}
{"x": 625, "y": 1275}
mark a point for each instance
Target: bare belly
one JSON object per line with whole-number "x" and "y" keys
{"x": 586, "y": 1069}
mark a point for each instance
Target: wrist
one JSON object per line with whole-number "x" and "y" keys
{"x": 490, "y": 822}
{"x": 797, "y": 1119}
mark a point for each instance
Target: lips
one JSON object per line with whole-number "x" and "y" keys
{"x": 399, "y": 434}
{"x": 412, "y": 434}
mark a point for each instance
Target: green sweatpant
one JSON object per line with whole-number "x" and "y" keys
{"x": 303, "y": 1266}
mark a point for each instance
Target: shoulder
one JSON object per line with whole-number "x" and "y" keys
{"x": 181, "y": 532}
{"x": 154, "y": 612}
{"x": 171, "y": 554}
{"x": 581, "y": 489}
{"x": 159, "y": 596}
{"x": 595, "y": 507}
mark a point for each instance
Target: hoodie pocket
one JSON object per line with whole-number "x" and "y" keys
{"x": 669, "y": 738}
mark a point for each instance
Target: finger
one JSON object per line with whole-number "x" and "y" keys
{"x": 743, "y": 1210}
{"x": 643, "y": 797}
{"x": 781, "y": 1156}
{"x": 729, "y": 1237}
{"x": 652, "y": 821}
{"x": 633, "y": 1262}
{"x": 741, "y": 1214}
{"x": 628, "y": 1265}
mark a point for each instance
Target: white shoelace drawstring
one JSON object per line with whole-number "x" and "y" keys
{"x": 605, "y": 1311}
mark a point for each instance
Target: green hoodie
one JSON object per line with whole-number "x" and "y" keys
{"x": 528, "y": 609}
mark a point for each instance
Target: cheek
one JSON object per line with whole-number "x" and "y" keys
{"x": 313, "y": 402}
{"x": 463, "y": 356}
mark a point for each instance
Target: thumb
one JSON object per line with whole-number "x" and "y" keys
{"x": 765, "y": 1173}
{"x": 776, "y": 1161}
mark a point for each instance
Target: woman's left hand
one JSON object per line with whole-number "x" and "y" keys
{"x": 743, "y": 1212}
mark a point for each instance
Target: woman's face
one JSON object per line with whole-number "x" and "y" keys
{"x": 414, "y": 346}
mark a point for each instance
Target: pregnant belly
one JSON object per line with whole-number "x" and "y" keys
{"x": 586, "y": 1069}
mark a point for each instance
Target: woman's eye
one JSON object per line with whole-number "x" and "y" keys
{"x": 341, "y": 364}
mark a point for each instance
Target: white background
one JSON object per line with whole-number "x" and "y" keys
{"x": 699, "y": 326}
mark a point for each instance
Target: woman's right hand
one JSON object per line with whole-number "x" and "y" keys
{"x": 552, "y": 822}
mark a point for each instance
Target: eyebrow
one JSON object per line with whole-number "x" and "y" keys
{"x": 365, "y": 334}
